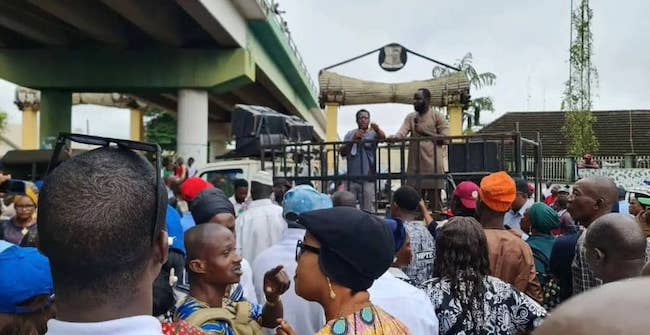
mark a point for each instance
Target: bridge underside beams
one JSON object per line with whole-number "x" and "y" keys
{"x": 158, "y": 70}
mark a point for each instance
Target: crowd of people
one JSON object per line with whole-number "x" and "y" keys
{"x": 297, "y": 261}
{"x": 109, "y": 245}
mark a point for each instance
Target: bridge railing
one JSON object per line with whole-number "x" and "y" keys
{"x": 270, "y": 6}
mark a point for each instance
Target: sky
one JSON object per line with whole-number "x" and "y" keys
{"x": 524, "y": 42}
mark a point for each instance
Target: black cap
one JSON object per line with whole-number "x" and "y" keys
{"x": 209, "y": 203}
{"x": 522, "y": 185}
{"x": 281, "y": 182}
{"x": 356, "y": 247}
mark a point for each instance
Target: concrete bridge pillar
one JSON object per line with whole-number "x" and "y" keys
{"x": 219, "y": 135}
{"x": 136, "y": 125}
{"x": 56, "y": 116}
{"x": 192, "y": 130}
{"x": 29, "y": 102}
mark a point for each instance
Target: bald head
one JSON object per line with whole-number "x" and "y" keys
{"x": 615, "y": 247}
{"x": 606, "y": 187}
{"x": 592, "y": 197}
{"x": 600, "y": 311}
{"x": 344, "y": 199}
{"x": 200, "y": 238}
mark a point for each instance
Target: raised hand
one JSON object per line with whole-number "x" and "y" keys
{"x": 276, "y": 282}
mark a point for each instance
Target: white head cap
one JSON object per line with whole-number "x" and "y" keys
{"x": 263, "y": 178}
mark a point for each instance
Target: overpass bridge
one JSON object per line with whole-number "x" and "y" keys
{"x": 197, "y": 58}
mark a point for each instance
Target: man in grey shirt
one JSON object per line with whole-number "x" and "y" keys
{"x": 361, "y": 154}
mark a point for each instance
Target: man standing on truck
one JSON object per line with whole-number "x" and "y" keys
{"x": 425, "y": 157}
{"x": 361, "y": 154}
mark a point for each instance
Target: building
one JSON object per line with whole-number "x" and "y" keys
{"x": 619, "y": 132}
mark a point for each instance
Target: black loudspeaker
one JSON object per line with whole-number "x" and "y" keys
{"x": 250, "y": 145}
{"x": 473, "y": 157}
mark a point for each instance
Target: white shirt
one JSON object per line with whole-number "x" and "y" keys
{"x": 546, "y": 192}
{"x": 305, "y": 317}
{"x": 513, "y": 219}
{"x": 406, "y": 303}
{"x": 192, "y": 172}
{"x": 240, "y": 208}
{"x": 259, "y": 227}
{"x": 135, "y": 325}
{"x": 246, "y": 281}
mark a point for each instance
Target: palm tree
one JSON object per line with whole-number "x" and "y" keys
{"x": 477, "y": 81}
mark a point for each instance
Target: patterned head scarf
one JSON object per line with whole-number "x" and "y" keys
{"x": 543, "y": 218}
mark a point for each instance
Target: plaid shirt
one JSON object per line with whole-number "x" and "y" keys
{"x": 583, "y": 278}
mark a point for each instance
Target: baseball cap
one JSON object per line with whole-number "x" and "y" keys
{"x": 192, "y": 187}
{"x": 356, "y": 247}
{"x": 645, "y": 201}
{"x": 467, "y": 192}
{"x": 303, "y": 198}
{"x": 25, "y": 275}
{"x": 564, "y": 189}
{"x": 263, "y": 178}
{"x": 498, "y": 191}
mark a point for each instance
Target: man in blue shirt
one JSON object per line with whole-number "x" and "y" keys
{"x": 361, "y": 154}
{"x": 512, "y": 218}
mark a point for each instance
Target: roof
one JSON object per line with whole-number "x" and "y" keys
{"x": 618, "y": 132}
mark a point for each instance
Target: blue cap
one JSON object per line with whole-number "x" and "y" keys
{"x": 399, "y": 232}
{"x": 24, "y": 274}
{"x": 303, "y": 198}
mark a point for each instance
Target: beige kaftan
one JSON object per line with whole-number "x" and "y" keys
{"x": 429, "y": 124}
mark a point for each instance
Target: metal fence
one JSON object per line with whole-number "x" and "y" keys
{"x": 643, "y": 162}
{"x": 610, "y": 161}
{"x": 555, "y": 168}
{"x": 469, "y": 158}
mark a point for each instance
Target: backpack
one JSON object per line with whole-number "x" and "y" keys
{"x": 237, "y": 316}
{"x": 550, "y": 285}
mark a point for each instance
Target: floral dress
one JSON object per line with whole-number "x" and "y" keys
{"x": 505, "y": 310}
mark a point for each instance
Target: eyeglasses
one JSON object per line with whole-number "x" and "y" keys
{"x": 24, "y": 207}
{"x": 63, "y": 143}
{"x": 301, "y": 247}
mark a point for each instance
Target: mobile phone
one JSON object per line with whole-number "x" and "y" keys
{"x": 13, "y": 187}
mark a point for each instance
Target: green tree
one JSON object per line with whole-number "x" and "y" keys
{"x": 477, "y": 81}
{"x": 577, "y": 100}
{"x": 161, "y": 129}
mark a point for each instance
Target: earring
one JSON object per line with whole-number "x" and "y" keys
{"x": 332, "y": 294}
